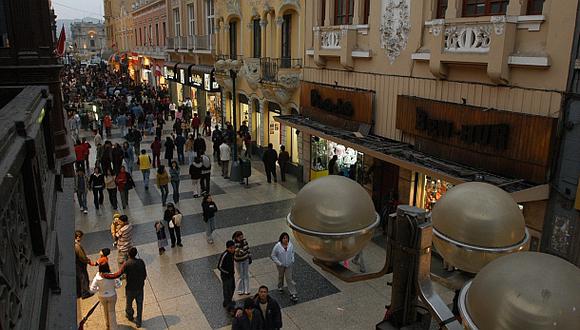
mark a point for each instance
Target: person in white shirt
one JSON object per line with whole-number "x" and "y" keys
{"x": 225, "y": 159}
{"x": 107, "y": 294}
{"x": 283, "y": 257}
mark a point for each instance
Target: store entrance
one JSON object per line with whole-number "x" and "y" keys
{"x": 274, "y": 130}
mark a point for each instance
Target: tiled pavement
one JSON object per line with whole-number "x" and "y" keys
{"x": 183, "y": 291}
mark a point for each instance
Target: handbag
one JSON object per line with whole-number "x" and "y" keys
{"x": 130, "y": 183}
{"x": 177, "y": 219}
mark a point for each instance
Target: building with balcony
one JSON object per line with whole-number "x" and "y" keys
{"x": 37, "y": 262}
{"x": 89, "y": 38}
{"x": 119, "y": 26}
{"x": 150, "y": 30}
{"x": 267, "y": 37}
{"x": 416, "y": 96}
{"x": 191, "y": 50}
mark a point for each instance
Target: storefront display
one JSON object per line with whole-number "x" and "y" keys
{"x": 350, "y": 162}
{"x": 274, "y": 127}
{"x": 428, "y": 190}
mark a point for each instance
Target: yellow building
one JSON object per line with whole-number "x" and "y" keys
{"x": 119, "y": 25}
{"x": 266, "y": 37}
{"x": 450, "y": 91}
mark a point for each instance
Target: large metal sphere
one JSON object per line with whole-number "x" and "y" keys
{"x": 474, "y": 223}
{"x": 333, "y": 218}
{"x": 527, "y": 291}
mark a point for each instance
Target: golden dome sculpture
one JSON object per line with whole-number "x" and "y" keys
{"x": 475, "y": 223}
{"x": 527, "y": 291}
{"x": 333, "y": 218}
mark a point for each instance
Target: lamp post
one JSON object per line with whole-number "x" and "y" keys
{"x": 232, "y": 67}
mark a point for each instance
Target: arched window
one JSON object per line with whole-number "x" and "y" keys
{"x": 233, "y": 39}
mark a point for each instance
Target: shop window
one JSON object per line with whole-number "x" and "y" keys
{"x": 430, "y": 191}
{"x": 294, "y": 140}
{"x": 350, "y": 162}
{"x": 535, "y": 7}
{"x": 473, "y": 8}
{"x": 257, "y": 36}
{"x": 343, "y": 12}
{"x": 441, "y": 8}
{"x": 258, "y": 121}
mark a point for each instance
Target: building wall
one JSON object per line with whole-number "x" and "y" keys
{"x": 148, "y": 15}
{"x": 83, "y": 33}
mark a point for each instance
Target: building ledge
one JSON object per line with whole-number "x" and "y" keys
{"x": 535, "y": 61}
{"x": 354, "y": 53}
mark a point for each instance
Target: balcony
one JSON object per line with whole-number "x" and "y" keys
{"x": 152, "y": 51}
{"x": 170, "y": 44}
{"x": 277, "y": 78}
{"x": 181, "y": 43}
{"x": 201, "y": 44}
{"x": 275, "y": 69}
{"x": 488, "y": 41}
{"x": 344, "y": 42}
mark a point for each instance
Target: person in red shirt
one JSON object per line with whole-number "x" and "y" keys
{"x": 108, "y": 122}
{"x": 124, "y": 184}
{"x": 86, "y": 148}
{"x": 156, "y": 151}
{"x": 80, "y": 155}
{"x": 195, "y": 122}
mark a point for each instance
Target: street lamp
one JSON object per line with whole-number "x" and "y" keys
{"x": 233, "y": 68}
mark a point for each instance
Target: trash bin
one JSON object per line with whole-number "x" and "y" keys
{"x": 245, "y": 168}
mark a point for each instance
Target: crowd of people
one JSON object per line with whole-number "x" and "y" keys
{"x": 99, "y": 100}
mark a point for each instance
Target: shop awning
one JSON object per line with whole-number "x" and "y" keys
{"x": 405, "y": 156}
{"x": 202, "y": 68}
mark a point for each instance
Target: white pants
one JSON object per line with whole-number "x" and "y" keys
{"x": 287, "y": 273}
{"x": 196, "y": 188}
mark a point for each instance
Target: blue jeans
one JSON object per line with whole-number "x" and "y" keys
{"x": 243, "y": 271}
{"x": 164, "y": 192}
{"x": 82, "y": 196}
{"x": 210, "y": 227}
{"x": 175, "y": 185}
{"x": 145, "y": 177}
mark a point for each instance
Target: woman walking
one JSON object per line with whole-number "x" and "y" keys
{"x": 174, "y": 173}
{"x": 97, "y": 184}
{"x": 124, "y": 184}
{"x": 209, "y": 210}
{"x": 162, "y": 183}
{"x": 129, "y": 156}
{"x": 107, "y": 294}
{"x": 283, "y": 257}
{"x": 173, "y": 218}
{"x": 195, "y": 173}
{"x": 161, "y": 236}
{"x": 242, "y": 259}
{"x": 111, "y": 188}
{"x": 189, "y": 150}
{"x": 169, "y": 146}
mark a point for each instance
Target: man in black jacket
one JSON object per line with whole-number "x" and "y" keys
{"x": 226, "y": 268}
{"x": 269, "y": 158}
{"x": 269, "y": 309}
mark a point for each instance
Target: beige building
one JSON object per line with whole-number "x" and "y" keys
{"x": 89, "y": 38}
{"x": 119, "y": 25}
{"x": 451, "y": 91}
{"x": 266, "y": 37}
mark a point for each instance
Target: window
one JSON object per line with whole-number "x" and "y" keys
{"x": 164, "y": 32}
{"x": 157, "y": 34}
{"x": 367, "y": 11}
{"x": 150, "y": 35}
{"x": 176, "y": 22}
{"x": 210, "y": 13}
{"x": 145, "y": 36}
{"x": 343, "y": 12}
{"x": 257, "y": 34}
{"x": 233, "y": 39}
{"x": 323, "y": 12}
{"x": 441, "y": 8}
{"x": 484, "y": 7}
{"x": 92, "y": 43}
{"x": 191, "y": 19}
{"x": 535, "y": 7}
{"x": 140, "y": 37}
{"x": 286, "y": 41}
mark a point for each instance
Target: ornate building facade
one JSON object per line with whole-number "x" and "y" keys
{"x": 437, "y": 93}
{"x": 150, "y": 30}
{"x": 267, "y": 38}
{"x": 89, "y": 38}
{"x": 36, "y": 222}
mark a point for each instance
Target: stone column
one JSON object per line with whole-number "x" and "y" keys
{"x": 264, "y": 115}
{"x": 453, "y": 9}
{"x": 263, "y": 26}
{"x": 358, "y": 12}
{"x": 328, "y": 15}
{"x": 278, "y": 43}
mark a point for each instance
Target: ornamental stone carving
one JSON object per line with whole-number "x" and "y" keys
{"x": 289, "y": 80}
{"x": 498, "y": 24}
{"x": 468, "y": 38}
{"x": 436, "y": 26}
{"x": 395, "y": 27}
{"x": 252, "y": 71}
{"x": 233, "y": 7}
{"x": 330, "y": 39}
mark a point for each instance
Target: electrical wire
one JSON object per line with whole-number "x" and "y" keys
{"x": 76, "y": 9}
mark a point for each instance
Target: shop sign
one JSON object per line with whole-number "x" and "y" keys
{"x": 169, "y": 73}
{"x": 195, "y": 79}
{"x": 335, "y": 105}
{"x": 210, "y": 84}
{"x": 339, "y": 107}
{"x": 494, "y": 135}
{"x": 182, "y": 76}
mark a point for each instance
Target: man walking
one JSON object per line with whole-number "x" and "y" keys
{"x": 225, "y": 159}
{"x": 145, "y": 167}
{"x": 283, "y": 160}
{"x": 226, "y": 268}
{"x": 179, "y": 145}
{"x": 136, "y": 273}
{"x": 269, "y": 309}
{"x": 82, "y": 275}
{"x": 270, "y": 157}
